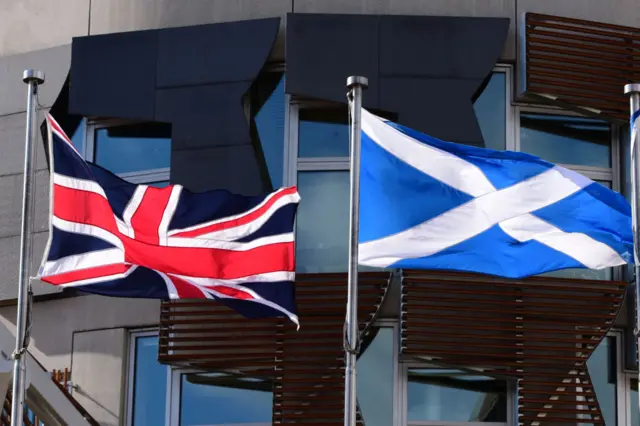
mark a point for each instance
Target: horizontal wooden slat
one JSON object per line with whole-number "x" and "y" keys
{"x": 562, "y": 54}
{"x": 525, "y": 329}
{"x": 306, "y": 366}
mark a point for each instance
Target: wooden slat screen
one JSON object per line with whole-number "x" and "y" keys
{"x": 208, "y": 335}
{"x": 584, "y": 64}
{"x": 309, "y": 385}
{"x": 538, "y": 331}
{"x": 306, "y": 366}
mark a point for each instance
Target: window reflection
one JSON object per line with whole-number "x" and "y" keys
{"x": 269, "y": 122}
{"x": 454, "y": 396}
{"x": 491, "y": 111}
{"x": 322, "y": 222}
{"x": 323, "y": 133}
{"x": 78, "y": 138}
{"x": 149, "y": 384}
{"x": 133, "y": 147}
{"x": 566, "y": 140}
{"x": 224, "y": 399}
{"x": 375, "y": 379}
{"x": 602, "y": 369}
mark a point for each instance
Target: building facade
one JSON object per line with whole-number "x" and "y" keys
{"x": 249, "y": 96}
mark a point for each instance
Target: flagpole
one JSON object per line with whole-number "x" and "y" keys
{"x": 355, "y": 84}
{"x": 633, "y": 91}
{"x": 33, "y": 78}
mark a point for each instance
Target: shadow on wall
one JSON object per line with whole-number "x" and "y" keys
{"x": 54, "y": 323}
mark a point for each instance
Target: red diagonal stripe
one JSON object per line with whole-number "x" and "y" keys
{"x": 232, "y": 292}
{"x": 148, "y": 216}
{"x": 211, "y": 263}
{"x": 186, "y": 290}
{"x": 58, "y": 129}
{"x": 83, "y": 207}
{"x": 92, "y": 209}
{"x": 86, "y": 274}
{"x": 243, "y": 220}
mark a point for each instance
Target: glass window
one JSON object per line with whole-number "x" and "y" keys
{"x": 133, "y": 147}
{"x": 435, "y": 395}
{"x": 602, "y": 369}
{"x": 375, "y": 379}
{"x": 78, "y": 137}
{"x": 269, "y": 122}
{"x": 221, "y": 399}
{"x": 491, "y": 111}
{"x": 149, "y": 384}
{"x": 633, "y": 395}
{"x": 322, "y": 222}
{"x": 566, "y": 140}
{"x": 323, "y": 132}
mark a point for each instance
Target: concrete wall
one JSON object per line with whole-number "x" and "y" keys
{"x": 27, "y": 25}
{"x": 89, "y": 333}
{"x": 98, "y": 367}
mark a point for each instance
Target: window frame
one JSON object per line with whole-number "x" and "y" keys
{"x": 89, "y": 147}
{"x": 174, "y": 396}
{"x": 292, "y": 164}
{"x": 610, "y": 174}
{"x": 129, "y": 379}
{"x": 403, "y": 397}
{"x": 394, "y": 324}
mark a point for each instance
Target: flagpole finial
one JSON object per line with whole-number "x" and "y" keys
{"x": 631, "y": 88}
{"x": 35, "y": 76}
{"x": 356, "y": 80}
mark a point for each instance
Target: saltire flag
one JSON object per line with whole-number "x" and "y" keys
{"x": 111, "y": 237}
{"x": 635, "y": 117}
{"x": 429, "y": 204}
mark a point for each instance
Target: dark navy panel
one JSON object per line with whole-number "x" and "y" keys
{"x": 215, "y": 115}
{"x": 441, "y": 108}
{"x": 323, "y": 50}
{"x": 205, "y": 54}
{"x": 233, "y": 168}
{"x": 191, "y": 77}
{"x": 440, "y": 47}
{"x": 114, "y": 75}
{"x": 425, "y": 69}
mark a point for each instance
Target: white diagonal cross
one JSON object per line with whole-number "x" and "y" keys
{"x": 489, "y": 206}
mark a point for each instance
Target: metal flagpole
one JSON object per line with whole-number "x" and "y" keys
{"x": 355, "y": 84}
{"x": 33, "y": 78}
{"x": 633, "y": 90}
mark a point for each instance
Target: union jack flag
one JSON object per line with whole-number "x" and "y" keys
{"x": 111, "y": 237}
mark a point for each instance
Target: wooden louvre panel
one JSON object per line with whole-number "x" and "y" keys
{"x": 309, "y": 383}
{"x": 538, "y": 331}
{"x": 305, "y": 366}
{"x": 578, "y": 63}
{"x": 208, "y": 335}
